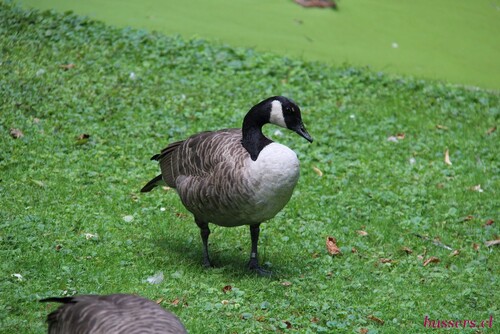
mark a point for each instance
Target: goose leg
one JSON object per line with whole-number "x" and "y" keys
{"x": 253, "y": 264}
{"x": 204, "y": 232}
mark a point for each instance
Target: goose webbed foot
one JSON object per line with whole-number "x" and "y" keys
{"x": 253, "y": 265}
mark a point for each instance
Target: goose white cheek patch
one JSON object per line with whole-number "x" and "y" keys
{"x": 277, "y": 114}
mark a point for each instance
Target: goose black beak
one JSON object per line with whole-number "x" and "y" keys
{"x": 301, "y": 131}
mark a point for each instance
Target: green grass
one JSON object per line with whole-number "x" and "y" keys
{"x": 55, "y": 188}
{"x": 447, "y": 39}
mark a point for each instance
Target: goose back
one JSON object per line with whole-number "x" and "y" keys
{"x": 111, "y": 314}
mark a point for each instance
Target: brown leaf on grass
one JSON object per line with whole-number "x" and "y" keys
{"x": 317, "y": 171}
{"x": 407, "y": 250}
{"x": 314, "y": 320}
{"x": 83, "y": 136}
{"x": 447, "y": 157}
{"x": 489, "y": 222}
{"x": 491, "y": 130}
{"x": 16, "y": 133}
{"x": 475, "y": 247}
{"x": 377, "y": 320}
{"x": 362, "y": 233}
{"x": 67, "y": 66}
{"x": 158, "y": 301}
{"x": 466, "y": 219}
{"x": 260, "y": 318}
{"x": 58, "y": 248}
{"x": 354, "y": 250}
{"x": 400, "y": 136}
{"x": 455, "y": 252}
{"x": 175, "y": 302}
{"x": 331, "y": 246}
{"x": 492, "y": 243}
{"x": 286, "y": 283}
{"x": 441, "y": 127}
{"x": 288, "y": 324}
{"x": 385, "y": 260}
{"x": 477, "y": 188}
{"x": 363, "y": 330}
{"x": 432, "y": 259}
{"x": 317, "y": 3}
{"x": 227, "y": 288}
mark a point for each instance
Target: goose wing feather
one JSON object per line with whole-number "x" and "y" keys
{"x": 111, "y": 314}
{"x": 207, "y": 170}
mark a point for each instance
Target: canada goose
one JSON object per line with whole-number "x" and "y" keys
{"x": 111, "y": 314}
{"x": 235, "y": 177}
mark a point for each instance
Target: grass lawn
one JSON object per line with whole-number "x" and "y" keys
{"x": 72, "y": 220}
{"x": 447, "y": 39}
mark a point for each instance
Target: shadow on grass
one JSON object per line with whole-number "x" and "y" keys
{"x": 226, "y": 261}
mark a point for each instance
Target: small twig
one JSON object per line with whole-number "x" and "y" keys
{"x": 435, "y": 242}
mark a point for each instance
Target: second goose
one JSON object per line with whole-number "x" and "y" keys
{"x": 235, "y": 177}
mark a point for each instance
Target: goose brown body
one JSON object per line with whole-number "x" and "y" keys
{"x": 219, "y": 183}
{"x": 111, "y": 314}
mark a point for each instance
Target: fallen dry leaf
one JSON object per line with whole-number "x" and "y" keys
{"x": 447, "y": 157}
{"x": 331, "y": 246}
{"x": 363, "y": 330}
{"x": 227, "y": 288}
{"x": 175, "y": 302}
{"x": 317, "y": 171}
{"x": 489, "y": 222}
{"x": 317, "y": 3}
{"x": 407, "y": 250}
{"x": 374, "y": 318}
{"x": 58, "y": 248}
{"x": 354, "y": 250}
{"x": 475, "y": 247}
{"x": 314, "y": 320}
{"x": 288, "y": 324}
{"x": 441, "y": 127}
{"x": 385, "y": 260}
{"x": 83, "y": 136}
{"x": 491, "y": 130}
{"x": 466, "y": 219}
{"x": 16, "y": 133}
{"x": 224, "y": 302}
{"x": 455, "y": 252}
{"x": 477, "y": 188}
{"x": 492, "y": 243}
{"x": 432, "y": 259}
{"x": 260, "y": 318}
{"x": 400, "y": 136}
{"x": 362, "y": 233}
{"x": 67, "y": 66}
{"x": 286, "y": 283}
{"x": 158, "y": 301}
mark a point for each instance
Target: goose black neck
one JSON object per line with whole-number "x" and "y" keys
{"x": 253, "y": 140}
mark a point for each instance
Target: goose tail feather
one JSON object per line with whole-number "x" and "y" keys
{"x": 153, "y": 183}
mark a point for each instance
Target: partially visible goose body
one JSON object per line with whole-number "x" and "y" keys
{"x": 235, "y": 177}
{"x": 111, "y": 314}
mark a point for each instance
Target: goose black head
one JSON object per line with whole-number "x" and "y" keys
{"x": 277, "y": 110}
{"x": 285, "y": 113}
